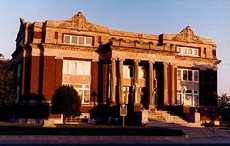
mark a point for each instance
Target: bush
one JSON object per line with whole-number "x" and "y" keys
{"x": 66, "y": 101}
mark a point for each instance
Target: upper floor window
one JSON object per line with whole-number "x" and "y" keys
{"x": 78, "y": 40}
{"x": 126, "y": 72}
{"x": 76, "y": 67}
{"x": 188, "y": 75}
{"x": 141, "y": 72}
{"x": 188, "y": 51}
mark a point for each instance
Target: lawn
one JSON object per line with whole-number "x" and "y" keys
{"x": 94, "y": 130}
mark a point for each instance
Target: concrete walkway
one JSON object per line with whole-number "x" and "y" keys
{"x": 111, "y": 140}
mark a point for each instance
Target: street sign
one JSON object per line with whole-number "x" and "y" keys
{"x": 123, "y": 110}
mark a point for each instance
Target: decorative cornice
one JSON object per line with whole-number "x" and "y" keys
{"x": 187, "y": 35}
{"x": 79, "y": 22}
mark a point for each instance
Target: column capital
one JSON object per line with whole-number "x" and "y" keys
{"x": 151, "y": 61}
{"x": 113, "y": 59}
{"x": 121, "y": 59}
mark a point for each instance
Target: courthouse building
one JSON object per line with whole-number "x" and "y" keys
{"x": 113, "y": 67}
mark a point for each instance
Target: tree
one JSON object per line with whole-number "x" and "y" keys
{"x": 224, "y": 101}
{"x": 66, "y": 101}
{"x": 224, "y": 106}
{"x": 1, "y": 55}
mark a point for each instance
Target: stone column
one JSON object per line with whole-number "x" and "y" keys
{"x": 173, "y": 77}
{"x": 112, "y": 81}
{"x": 166, "y": 98}
{"x": 137, "y": 99}
{"x": 120, "y": 81}
{"x": 151, "y": 88}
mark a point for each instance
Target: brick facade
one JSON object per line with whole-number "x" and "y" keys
{"x": 41, "y": 49}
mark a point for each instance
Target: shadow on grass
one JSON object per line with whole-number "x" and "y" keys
{"x": 89, "y": 131}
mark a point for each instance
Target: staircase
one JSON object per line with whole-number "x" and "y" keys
{"x": 164, "y": 118}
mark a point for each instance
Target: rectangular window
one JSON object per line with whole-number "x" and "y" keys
{"x": 195, "y": 75}
{"x": 178, "y": 74}
{"x": 89, "y": 41}
{"x": 188, "y": 51}
{"x": 67, "y": 39}
{"x": 78, "y": 40}
{"x": 74, "y": 40}
{"x": 126, "y": 72}
{"x": 190, "y": 75}
{"x": 196, "y": 52}
{"x": 81, "y": 40}
{"x": 185, "y": 75}
{"x": 75, "y": 67}
{"x": 141, "y": 72}
{"x": 84, "y": 92}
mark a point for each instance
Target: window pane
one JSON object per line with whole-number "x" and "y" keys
{"x": 178, "y": 50}
{"x": 72, "y": 67}
{"x": 196, "y": 75}
{"x": 184, "y": 51}
{"x": 196, "y": 100}
{"x": 195, "y": 52}
{"x": 74, "y": 39}
{"x": 179, "y": 99}
{"x": 189, "y": 51}
{"x": 83, "y": 67}
{"x": 66, "y": 39}
{"x": 141, "y": 72}
{"x": 178, "y": 74}
{"x": 81, "y": 40}
{"x": 65, "y": 67}
{"x": 126, "y": 71}
{"x": 86, "y": 96}
{"x": 89, "y": 41}
{"x": 185, "y": 75}
{"x": 190, "y": 75}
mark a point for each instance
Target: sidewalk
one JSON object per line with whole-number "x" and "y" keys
{"x": 110, "y": 140}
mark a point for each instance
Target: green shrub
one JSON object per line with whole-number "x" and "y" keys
{"x": 66, "y": 101}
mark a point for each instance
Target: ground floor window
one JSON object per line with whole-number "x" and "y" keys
{"x": 188, "y": 98}
{"x": 84, "y": 92}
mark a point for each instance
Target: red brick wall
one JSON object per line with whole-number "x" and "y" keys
{"x": 94, "y": 77}
{"x": 49, "y": 79}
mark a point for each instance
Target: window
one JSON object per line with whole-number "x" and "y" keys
{"x": 89, "y": 41}
{"x": 126, "y": 71}
{"x": 141, "y": 72}
{"x": 196, "y": 52}
{"x": 188, "y": 51}
{"x": 195, "y": 75}
{"x": 74, "y": 39}
{"x": 78, "y": 40}
{"x": 178, "y": 74}
{"x": 81, "y": 40}
{"x": 189, "y": 98}
{"x": 185, "y": 75}
{"x": 84, "y": 92}
{"x": 190, "y": 75}
{"x": 214, "y": 53}
{"x": 67, "y": 39}
{"x": 75, "y": 67}
{"x": 205, "y": 52}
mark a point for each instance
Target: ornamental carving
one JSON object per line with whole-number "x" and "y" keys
{"x": 80, "y": 23}
{"x": 187, "y": 35}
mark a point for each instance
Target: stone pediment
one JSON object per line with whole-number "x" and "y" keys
{"x": 187, "y": 35}
{"x": 79, "y": 22}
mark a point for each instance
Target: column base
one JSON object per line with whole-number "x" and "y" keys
{"x": 152, "y": 107}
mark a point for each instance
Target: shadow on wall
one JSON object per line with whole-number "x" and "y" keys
{"x": 34, "y": 108}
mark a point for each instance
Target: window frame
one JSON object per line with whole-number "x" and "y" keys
{"x": 188, "y": 51}
{"x": 84, "y": 43}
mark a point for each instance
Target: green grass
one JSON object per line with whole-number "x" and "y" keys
{"x": 89, "y": 131}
